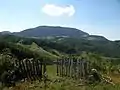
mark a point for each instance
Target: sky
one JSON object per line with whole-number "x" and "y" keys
{"x": 96, "y": 17}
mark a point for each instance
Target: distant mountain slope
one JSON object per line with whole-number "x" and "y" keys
{"x": 96, "y": 38}
{"x": 69, "y": 45}
{"x": 5, "y": 32}
{"x": 54, "y": 31}
{"x": 43, "y": 31}
{"x": 75, "y": 45}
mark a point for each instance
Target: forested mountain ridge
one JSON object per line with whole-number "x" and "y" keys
{"x": 55, "y": 31}
{"x": 69, "y": 45}
{"x": 43, "y": 31}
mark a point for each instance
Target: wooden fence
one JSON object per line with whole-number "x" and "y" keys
{"x": 73, "y": 67}
{"x": 30, "y": 69}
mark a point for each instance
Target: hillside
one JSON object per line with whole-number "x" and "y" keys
{"x": 74, "y": 45}
{"x": 67, "y": 45}
{"x": 43, "y": 31}
{"x": 43, "y": 53}
{"x": 55, "y": 31}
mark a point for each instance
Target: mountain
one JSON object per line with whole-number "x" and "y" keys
{"x": 44, "y": 31}
{"x": 5, "y": 32}
{"x": 55, "y": 31}
{"x": 95, "y": 38}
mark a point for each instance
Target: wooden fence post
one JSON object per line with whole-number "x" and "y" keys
{"x": 28, "y": 66}
{"x": 22, "y": 63}
{"x": 62, "y": 67}
{"x": 67, "y": 67}
{"x": 40, "y": 70}
{"x": 83, "y": 69}
{"x": 69, "y": 64}
{"x": 71, "y": 69}
{"x": 57, "y": 67}
{"x": 77, "y": 68}
{"x": 45, "y": 75}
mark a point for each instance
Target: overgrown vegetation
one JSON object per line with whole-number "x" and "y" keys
{"x": 18, "y": 48}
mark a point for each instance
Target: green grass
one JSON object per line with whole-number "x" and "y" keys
{"x": 59, "y": 83}
{"x": 43, "y": 53}
{"x": 63, "y": 85}
{"x": 51, "y": 70}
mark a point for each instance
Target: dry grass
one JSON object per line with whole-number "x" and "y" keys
{"x": 115, "y": 78}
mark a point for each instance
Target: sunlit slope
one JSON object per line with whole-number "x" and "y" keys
{"x": 43, "y": 53}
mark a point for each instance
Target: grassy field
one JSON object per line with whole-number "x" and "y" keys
{"x": 63, "y": 85}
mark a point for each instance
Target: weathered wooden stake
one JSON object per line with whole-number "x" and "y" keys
{"x": 57, "y": 67}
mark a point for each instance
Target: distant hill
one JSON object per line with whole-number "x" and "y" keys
{"x": 55, "y": 31}
{"x": 44, "y": 31}
{"x": 63, "y": 45}
{"x": 5, "y": 32}
{"x": 95, "y": 38}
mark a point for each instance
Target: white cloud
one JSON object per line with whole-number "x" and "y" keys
{"x": 55, "y": 10}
